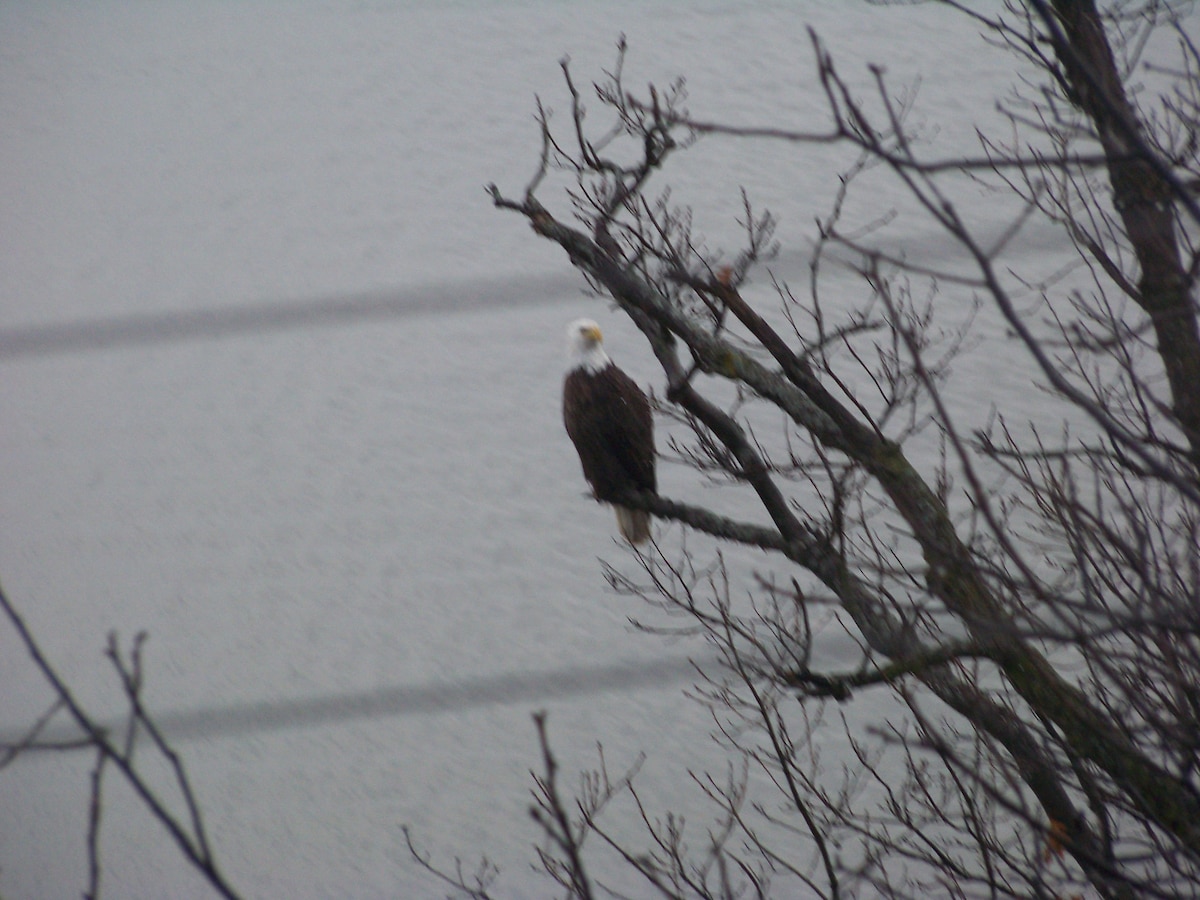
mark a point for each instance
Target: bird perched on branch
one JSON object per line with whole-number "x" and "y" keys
{"x": 608, "y": 419}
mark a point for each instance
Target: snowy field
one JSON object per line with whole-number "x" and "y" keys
{"x": 281, "y": 389}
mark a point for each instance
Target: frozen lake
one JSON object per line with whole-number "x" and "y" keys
{"x": 282, "y": 389}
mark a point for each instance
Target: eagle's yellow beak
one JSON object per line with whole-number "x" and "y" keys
{"x": 593, "y": 333}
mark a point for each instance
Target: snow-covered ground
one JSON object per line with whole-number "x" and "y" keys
{"x": 343, "y": 507}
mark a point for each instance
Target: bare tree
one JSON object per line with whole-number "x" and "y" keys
{"x": 133, "y": 751}
{"x": 1031, "y": 601}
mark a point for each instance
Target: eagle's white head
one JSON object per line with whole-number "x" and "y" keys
{"x": 585, "y": 346}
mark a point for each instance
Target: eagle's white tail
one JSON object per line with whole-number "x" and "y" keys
{"x": 634, "y": 524}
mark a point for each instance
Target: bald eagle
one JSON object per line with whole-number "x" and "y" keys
{"x": 608, "y": 419}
